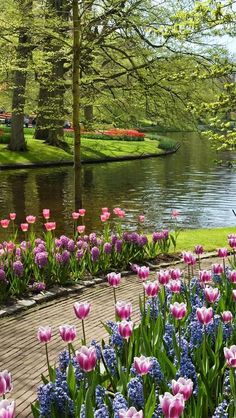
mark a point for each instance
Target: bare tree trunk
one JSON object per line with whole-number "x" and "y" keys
{"x": 76, "y": 105}
{"x": 42, "y": 130}
{"x": 17, "y": 140}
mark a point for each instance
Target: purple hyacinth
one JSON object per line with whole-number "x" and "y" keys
{"x": 95, "y": 253}
{"x": 65, "y": 256}
{"x": 142, "y": 240}
{"x": 107, "y": 248}
{"x": 41, "y": 259}
{"x": 2, "y": 275}
{"x": 18, "y": 268}
{"x": 118, "y": 245}
{"x": 71, "y": 245}
{"x": 79, "y": 254}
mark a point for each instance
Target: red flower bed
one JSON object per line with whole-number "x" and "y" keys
{"x": 128, "y": 132}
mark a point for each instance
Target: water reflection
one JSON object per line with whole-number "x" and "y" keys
{"x": 188, "y": 180}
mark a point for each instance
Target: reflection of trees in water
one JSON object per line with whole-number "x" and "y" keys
{"x": 16, "y": 185}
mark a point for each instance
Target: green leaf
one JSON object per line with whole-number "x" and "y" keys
{"x": 35, "y": 409}
{"x": 150, "y": 404}
{"x": 71, "y": 381}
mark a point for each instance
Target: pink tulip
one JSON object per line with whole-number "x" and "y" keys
{"x": 4, "y": 223}
{"x": 24, "y": 227}
{"x": 105, "y": 210}
{"x": 46, "y": 213}
{"x": 123, "y": 310}
{"x": 44, "y": 334}
{"x": 198, "y": 249}
{"x": 175, "y": 213}
{"x": 82, "y": 309}
{"x": 114, "y": 279}
{"x": 227, "y": 317}
{"x": 211, "y": 294}
{"x": 67, "y": 333}
{"x": 31, "y": 219}
{"x": 178, "y": 310}
{"x": 151, "y": 288}
{"x": 222, "y": 252}
{"x": 172, "y": 405}
{"x": 121, "y": 214}
{"x": 143, "y": 272}
{"x": 142, "y": 365}
{"x": 232, "y": 242}
{"x": 5, "y": 383}
{"x": 50, "y": 226}
{"x": 205, "y": 315}
{"x": 7, "y": 408}
{"x": 125, "y": 329}
{"x": 217, "y": 269}
{"x": 189, "y": 258}
{"x": 12, "y": 216}
{"x": 116, "y": 210}
{"x": 163, "y": 276}
{"x": 82, "y": 212}
{"x": 175, "y": 286}
{"x": 175, "y": 274}
{"x": 232, "y": 276}
{"x": 131, "y": 413}
{"x": 75, "y": 215}
{"x": 234, "y": 295}
{"x": 141, "y": 218}
{"x": 105, "y": 216}
{"x": 80, "y": 229}
{"x": 230, "y": 356}
{"x": 86, "y": 358}
{"x": 183, "y": 386}
{"x": 205, "y": 276}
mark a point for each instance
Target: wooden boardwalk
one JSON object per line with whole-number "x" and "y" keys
{"x": 22, "y": 354}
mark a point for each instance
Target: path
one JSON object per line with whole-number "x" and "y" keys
{"x": 24, "y": 356}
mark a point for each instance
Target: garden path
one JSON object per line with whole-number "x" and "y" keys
{"x": 24, "y": 356}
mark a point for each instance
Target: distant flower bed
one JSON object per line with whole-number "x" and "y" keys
{"x": 36, "y": 263}
{"x": 112, "y": 134}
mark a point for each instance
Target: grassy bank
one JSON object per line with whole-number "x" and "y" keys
{"x": 39, "y": 152}
{"x": 211, "y": 239}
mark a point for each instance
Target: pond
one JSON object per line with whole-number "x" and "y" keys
{"x": 190, "y": 181}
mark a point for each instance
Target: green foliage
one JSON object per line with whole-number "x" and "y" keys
{"x": 167, "y": 144}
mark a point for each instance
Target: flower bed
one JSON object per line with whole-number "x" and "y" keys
{"x": 112, "y": 134}
{"x": 179, "y": 360}
{"x": 37, "y": 263}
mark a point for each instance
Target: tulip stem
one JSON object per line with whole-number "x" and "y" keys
{"x": 47, "y": 357}
{"x": 114, "y": 293}
{"x": 144, "y": 302}
{"x": 69, "y": 351}
{"x": 84, "y": 336}
{"x": 179, "y": 342}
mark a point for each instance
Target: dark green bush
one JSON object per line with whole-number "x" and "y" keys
{"x": 167, "y": 144}
{"x": 5, "y": 138}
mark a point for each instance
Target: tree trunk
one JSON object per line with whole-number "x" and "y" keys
{"x": 17, "y": 140}
{"x": 76, "y": 105}
{"x": 88, "y": 113}
{"x": 42, "y": 130}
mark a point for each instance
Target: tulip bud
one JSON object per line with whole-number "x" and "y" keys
{"x": 125, "y": 329}
{"x": 44, "y": 334}
{"x": 82, "y": 309}
{"x": 86, "y": 358}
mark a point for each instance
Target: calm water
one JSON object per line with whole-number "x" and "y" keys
{"x": 188, "y": 180}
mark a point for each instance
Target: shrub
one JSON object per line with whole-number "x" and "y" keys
{"x": 167, "y": 144}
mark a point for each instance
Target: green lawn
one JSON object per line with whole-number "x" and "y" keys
{"x": 94, "y": 149}
{"x": 211, "y": 239}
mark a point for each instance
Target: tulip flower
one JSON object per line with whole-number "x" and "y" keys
{"x": 163, "y": 276}
{"x": 178, "y": 310}
{"x": 143, "y": 272}
{"x": 24, "y": 227}
{"x": 175, "y": 213}
{"x": 217, "y": 269}
{"x": 175, "y": 274}
{"x": 67, "y": 333}
{"x": 172, "y": 405}
{"x": 31, "y": 219}
{"x": 75, "y": 215}
{"x": 82, "y": 310}
{"x": 50, "y": 226}
{"x": 125, "y": 329}
{"x": 230, "y": 356}
{"x": 130, "y": 413}
{"x": 44, "y": 334}
{"x": 222, "y": 252}
{"x": 198, "y": 249}
{"x": 104, "y": 210}
{"x": 142, "y": 365}
{"x": 4, "y": 223}
{"x": 205, "y": 315}
{"x": 12, "y": 216}
{"x": 189, "y": 258}
{"x": 86, "y": 358}
{"x": 123, "y": 310}
{"x": 80, "y": 229}
{"x": 46, "y": 213}
{"x": 141, "y": 218}
{"x": 151, "y": 288}
{"x": 232, "y": 242}
{"x": 114, "y": 280}
{"x": 205, "y": 276}
{"x": 115, "y": 210}
{"x": 105, "y": 216}
{"x": 232, "y": 276}
{"x": 7, "y": 408}
{"x": 82, "y": 212}
{"x": 5, "y": 383}
{"x": 227, "y": 317}
{"x": 211, "y": 294}
{"x": 182, "y": 386}
{"x": 174, "y": 286}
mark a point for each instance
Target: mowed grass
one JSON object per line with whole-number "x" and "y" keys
{"x": 210, "y": 239}
{"x": 39, "y": 151}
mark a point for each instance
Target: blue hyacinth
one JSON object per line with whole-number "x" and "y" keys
{"x": 221, "y": 410}
{"x": 135, "y": 392}
{"x": 155, "y": 370}
{"x": 109, "y": 355}
{"x": 119, "y": 403}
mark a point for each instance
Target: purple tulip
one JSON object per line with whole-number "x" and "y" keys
{"x": 182, "y": 386}
{"x": 142, "y": 365}
{"x": 131, "y": 413}
{"x": 172, "y": 405}
{"x": 227, "y": 317}
{"x": 204, "y": 315}
{"x": 222, "y": 252}
{"x": 151, "y": 288}
{"x": 232, "y": 276}
{"x": 230, "y": 356}
{"x": 125, "y": 329}
{"x": 178, "y": 310}
{"x": 143, "y": 272}
{"x": 7, "y": 409}
{"x": 67, "y": 333}
{"x": 198, "y": 249}
{"x": 114, "y": 279}
{"x": 44, "y": 334}
{"x": 163, "y": 277}
{"x": 123, "y": 310}
{"x": 211, "y": 293}
{"x": 217, "y": 269}
{"x": 82, "y": 309}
